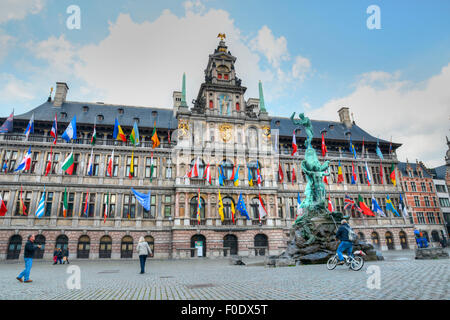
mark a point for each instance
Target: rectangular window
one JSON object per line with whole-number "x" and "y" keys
{"x": 11, "y": 160}
{"x": 167, "y": 206}
{"x": 362, "y": 175}
{"x": 5, "y": 197}
{"x": 420, "y": 217}
{"x": 169, "y": 169}
{"x": 129, "y": 206}
{"x": 292, "y": 208}
{"x": 440, "y": 188}
{"x": 34, "y": 162}
{"x": 112, "y": 206}
{"x": 348, "y": 174}
{"x": 413, "y": 186}
{"x": 423, "y": 187}
{"x": 375, "y": 175}
{"x": 95, "y": 164}
{"x": 26, "y": 196}
{"x": 127, "y": 171}
{"x": 427, "y": 201}
{"x": 339, "y": 204}
{"x": 416, "y": 201}
{"x": 430, "y": 185}
{"x": 280, "y": 207}
{"x": 148, "y": 166}
{"x": 91, "y": 206}
{"x": 48, "y": 204}
{"x": 430, "y": 217}
{"x": 406, "y": 186}
{"x": 115, "y": 166}
{"x": 444, "y": 202}
{"x": 387, "y": 174}
{"x": 70, "y": 202}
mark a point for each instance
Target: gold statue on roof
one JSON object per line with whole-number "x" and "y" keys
{"x": 221, "y": 36}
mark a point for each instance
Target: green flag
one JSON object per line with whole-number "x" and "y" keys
{"x": 65, "y": 204}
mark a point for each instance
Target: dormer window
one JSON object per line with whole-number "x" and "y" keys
{"x": 136, "y": 120}
{"x": 225, "y": 76}
{"x": 277, "y": 123}
{"x": 85, "y": 108}
{"x": 219, "y": 76}
{"x": 331, "y": 126}
{"x": 154, "y": 114}
{"x": 100, "y": 117}
{"x": 63, "y": 115}
{"x": 120, "y": 110}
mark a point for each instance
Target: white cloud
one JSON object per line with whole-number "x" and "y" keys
{"x": 274, "y": 49}
{"x": 6, "y": 42}
{"x": 300, "y": 68}
{"x": 19, "y": 9}
{"x": 15, "y": 90}
{"x": 415, "y": 114}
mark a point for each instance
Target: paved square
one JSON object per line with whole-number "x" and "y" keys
{"x": 402, "y": 277}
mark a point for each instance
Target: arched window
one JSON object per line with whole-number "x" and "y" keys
{"x": 230, "y": 241}
{"x": 261, "y": 243}
{"x": 361, "y": 236}
{"x": 253, "y": 166}
{"x": 375, "y": 240}
{"x": 14, "y": 247}
{"x": 252, "y": 138}
{"x": 227, "y": 209}
{"x": 255, "y": 208}
{"x": 151, "y": 243}
{"x": 193, "y": 208}
{"x": 198, "y": 242}
{"x": 227, "y": 166}
{"x": 84, "y": 245}
{"x": 39, "y": 252}
{"x": 389, "y": 240}
{"x": 403, "y": 239}
{"x": 201, "y": 166}
{"x": 435, "y": 236}
{"x": 105, "y": 247}
{"x": 126, "y": 247}
{"x": 62, "y": 242}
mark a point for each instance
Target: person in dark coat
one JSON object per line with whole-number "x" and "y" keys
{"x": 59, "y": 256}
{"x": 55, "y": 256}
{"x": 66, "y": 256}
{"x": 28, "y": 255}
{"x": 346, "y": 244}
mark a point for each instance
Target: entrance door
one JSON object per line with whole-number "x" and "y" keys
{"x": 231, "y": 242}
{"x": 261, "y": 241}
{"x": 105, "y": 247}
{"x": 84, "y": 246}
{"x": 39, "y": 253}
{"x": 403, "y": 240}
{"x": 14, "y": 247}
{"x": 389, "y": 241}
{"x": 126, "y": 248}
{"x": 199, "y": 242}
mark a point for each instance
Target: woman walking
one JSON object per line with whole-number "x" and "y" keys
{"x": 143, "y": 250}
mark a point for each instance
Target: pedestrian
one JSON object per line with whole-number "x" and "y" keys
{"x": 28, "y": 255}
{"x": 66, "y": 256}
{"x": 59, "y": 256}
{"x": 143, "y": 250}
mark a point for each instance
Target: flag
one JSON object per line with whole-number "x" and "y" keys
{"x": 68, "y": 164}
{"x": 402, "y": 207}
{"x": 330, "y": 204}
{"x": 94, "y": 135}
{"x": 152, "y": 168}
{"x": 362, "y": 149}
{"x": 86, "y": 204}
{"x": 54, "y": 132}
{"x": 376, "y": 208}
{"x": 23, "y": 208}
{"x": 250, "y": 178}
{"x": 378, "y": 151}
{"x": 369, "y": 180}
{"x": 233, "y": 211}
{"x": 105, "y": 213}
{"x": 261, "y": 209}
{"x": 134, "y": 137}
{"x": 143, "y": 199}
{"x": 324, "y": 147}
{"x": 381, "y": 173}
{"x": 234, "y": 172}
{"x": 299, "y": 208}
{"x": 293, "y": 175}
{"x": 3, "y": 208}
{"x": 155, "y": 138}
{"x": 280, "y": 173}
{"x": 258, "y": 175}
{"x": 392, "y": 174}
{"x": 110, "y": 164}
{"x": 390, "y": 147}
{"x": 26, "y": 162}
{"x": 365, "y": 209}
{"x": 131, "y": 174}
{"x": 390, "y": 206}
{"x": 325, "y": 179}
{"x": 5, "y": 166}
{"x": 340, "y": 177}
{"x": 352, "y": 148}
{"x": 91, "y": 164}
{"x": 41, "y": 206}
{"x": 353, "y": 174}
{"x": 65, "y": 204}
{"x": 49, "y": 163}
{"x": 221, "y": 208}
{"x": 7, "y": 126}
{"x": 221, "y": 175}
{"x": 294, "y": 144}
{"x": 349, "y": 203}
{"x": 118, "y": 133}
{"x": 241, "y": 207}
{"x": 30, "y": 127}
{"x": 71, "y": 130}
{"x": 236, "y": 177}
{"x": 195, "y": 170}
{"x": 207, "y": 175}
{"x": 199, "y": 206}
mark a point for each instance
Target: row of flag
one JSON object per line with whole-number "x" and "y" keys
{"x": 361, "y": 207}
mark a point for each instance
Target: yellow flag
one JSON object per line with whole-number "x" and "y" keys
{"x": 233, "y": 211}
{"x": 132, "y": 166}
{"x": 220, "y": 207}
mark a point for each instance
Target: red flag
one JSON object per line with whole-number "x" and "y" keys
{"x": 330, "y": 204}
{"x": 54, "y": 132}
{"x": 3, "y": 208}
{"x": 324, "y": 147}
{"x": 22, "y": 204}
{"x": 110, "y": 164}
{"x": 280, "y": 173}
{"x": 381, "y": 173}
{"x": 294, "y": 144}
{"x": 49, "y": 163}
{"x": 293, "y": 175}
{"x": 325, "y": 180}
{"x": 364, "y": 208}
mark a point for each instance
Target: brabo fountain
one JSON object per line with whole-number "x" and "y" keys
{"x": 312, "y": 237}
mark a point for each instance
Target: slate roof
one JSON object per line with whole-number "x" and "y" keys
{"x": 402, "y": 168}
{"x": 439, "y": 172}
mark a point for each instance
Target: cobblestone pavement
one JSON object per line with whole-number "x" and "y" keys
{"x": 402, "y": 277}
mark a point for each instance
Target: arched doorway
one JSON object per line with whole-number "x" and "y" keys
{"x": 435, "y": 236}
{"x": 105, "y": 247}
{"x": 126, "y": 247}
{"x": 151, "y": 243}
{"x": 361, "y": 236}
{"x": 231, "y": 242}
{"x": 198, "y": 241}
{"x": 375, "y": 240}
{"x": 62, "y": 242}
{"x": 260, "y": 240}
{"x": 39, "y": 252}
{"x": 403, "y": 239}
{"x": 14, "y": 247}
{"x": 389, "y": 240}
{"x": 84, "y": 246}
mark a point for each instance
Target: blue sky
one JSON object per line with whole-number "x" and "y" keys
{"x": 312, "y": 56}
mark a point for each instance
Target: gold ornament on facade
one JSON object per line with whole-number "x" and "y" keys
{"x": 266, "y": 132}
{"x": 183, "y": 127}
{"x": 226, "y": 132}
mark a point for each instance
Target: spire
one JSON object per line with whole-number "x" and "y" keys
{"x": 262, "y": 106}
{"x": 183, "y": 91}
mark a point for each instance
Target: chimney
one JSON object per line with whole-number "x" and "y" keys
{"x": 60, "y": 94}
{"x": 344, "y": 117}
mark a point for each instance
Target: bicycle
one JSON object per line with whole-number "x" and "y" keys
{"x": 355, "y": 263}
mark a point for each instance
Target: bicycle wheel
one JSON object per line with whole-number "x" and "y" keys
{"x": 357, "y": 263}
{"x": 331, "y": 263}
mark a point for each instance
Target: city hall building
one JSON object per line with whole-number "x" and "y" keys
{"x": 220, "y": 127}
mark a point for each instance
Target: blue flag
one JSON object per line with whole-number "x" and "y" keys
{"x": 143, "y": 199}
{"x": 390, "y": 206}
{"x": 71, "y": 131}
{"x": 379, "y": 154}
{"x": 41, "y": 206}
{"x": 221, "y": 175}
{"x": 241, "y": 207}
{"x": 7, "y": 126}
